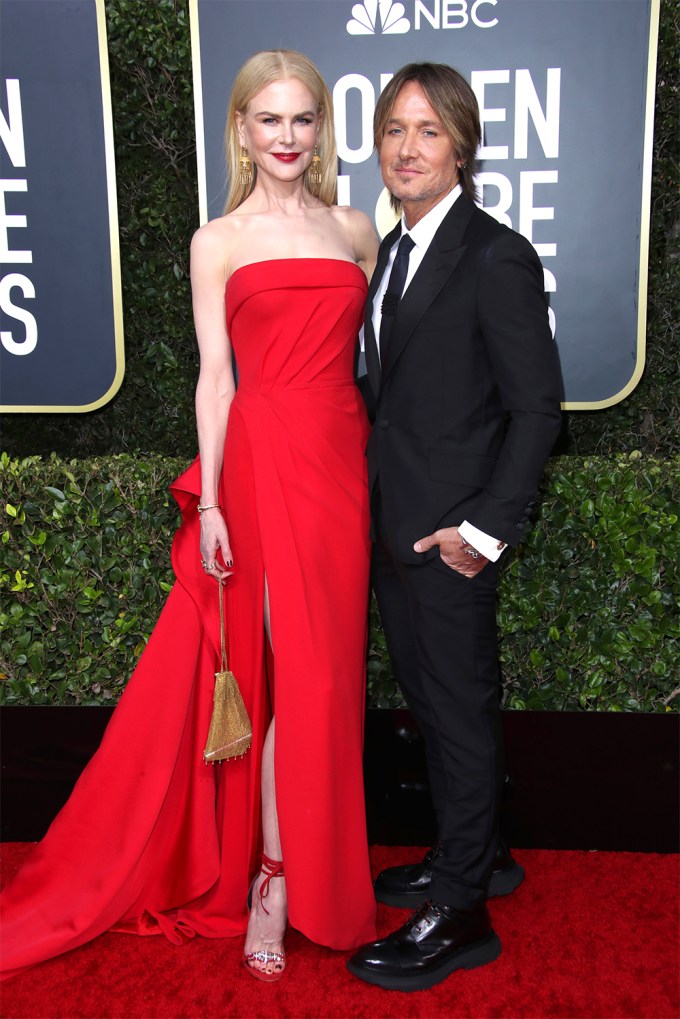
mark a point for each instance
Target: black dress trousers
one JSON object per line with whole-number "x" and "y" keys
{"x": 441, "y": 631}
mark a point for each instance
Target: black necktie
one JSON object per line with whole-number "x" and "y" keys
{"x": 394, "y": 291}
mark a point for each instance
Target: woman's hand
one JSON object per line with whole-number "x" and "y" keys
{"x": 214, "y": 539}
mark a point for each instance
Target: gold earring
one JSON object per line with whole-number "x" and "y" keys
{"x": 245, "y": 168}
{"x": 315, "y": 168}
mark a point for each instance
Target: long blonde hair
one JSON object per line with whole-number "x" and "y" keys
{"x": 259, "y": 71}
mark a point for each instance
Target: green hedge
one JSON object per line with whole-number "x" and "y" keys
{"x": 588, "y": 606}
{"x": 84, "y": 568}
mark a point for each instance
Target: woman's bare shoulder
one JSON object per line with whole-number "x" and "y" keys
{"x": 353, "y": 219}
{"x": 360, "y": 231}
{"x": 215, "y": 241}
{"x": 216, "y": 233}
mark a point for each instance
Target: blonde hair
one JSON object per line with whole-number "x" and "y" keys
{"x": 259, "y": 71}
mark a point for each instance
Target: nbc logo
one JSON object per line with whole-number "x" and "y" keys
{"x": 364, "y": 20}
{"x": 387, "y": 16}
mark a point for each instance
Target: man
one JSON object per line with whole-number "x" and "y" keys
{"x": 465, "y": 385}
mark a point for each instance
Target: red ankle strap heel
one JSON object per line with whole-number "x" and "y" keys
{"x": 255, "y": 961}
{"x": 272, "y": 868}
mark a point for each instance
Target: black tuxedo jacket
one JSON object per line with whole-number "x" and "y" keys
{"x": 467, "y": 400}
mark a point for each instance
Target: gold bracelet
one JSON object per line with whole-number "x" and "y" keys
{"x": 213, "y": 505}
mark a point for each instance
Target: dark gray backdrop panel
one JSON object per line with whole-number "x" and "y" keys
{"x": 52, "y": 48}
{"x": 602, "y": 49}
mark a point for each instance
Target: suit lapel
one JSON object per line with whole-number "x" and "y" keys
{"x": 436, "y": 268}
{"x": 370, "y": 339}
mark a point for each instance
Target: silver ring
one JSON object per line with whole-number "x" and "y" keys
{"x": 213, "y": 566}
{"x": 472, "y": 552}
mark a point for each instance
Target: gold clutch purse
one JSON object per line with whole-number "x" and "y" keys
{"x": 230, "y": 732}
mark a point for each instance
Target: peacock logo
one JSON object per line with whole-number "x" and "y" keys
{"x": 364, "y": 20}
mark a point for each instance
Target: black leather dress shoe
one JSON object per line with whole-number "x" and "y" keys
{"x": 409, "y": 886}
{"x": 435, "y": 942}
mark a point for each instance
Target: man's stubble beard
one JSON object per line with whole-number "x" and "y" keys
{"x": 429, "y": 194}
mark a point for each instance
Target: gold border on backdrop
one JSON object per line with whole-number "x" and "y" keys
{"x": 645, "y": 223}
{"x": 646, "y": 190}
{"x": 194, "y": 28}
{"x": 116, "y": 288}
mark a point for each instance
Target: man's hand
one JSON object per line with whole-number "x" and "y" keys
{"x": 454, "y": 551}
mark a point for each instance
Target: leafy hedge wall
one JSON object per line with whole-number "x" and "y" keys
{"x": 150, "y": 60}
{"x": 588, "y": 608}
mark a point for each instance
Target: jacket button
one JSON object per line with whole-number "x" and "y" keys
{"x": 384, "y": 424}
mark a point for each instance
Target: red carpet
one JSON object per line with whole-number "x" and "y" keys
{"x": 586, "y": 935}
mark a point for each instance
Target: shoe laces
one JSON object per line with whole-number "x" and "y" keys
{"x": 418, "y": 917}
{"x": 432, "y": 854}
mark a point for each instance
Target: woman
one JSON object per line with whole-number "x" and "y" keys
{"x": 275, "y": 509}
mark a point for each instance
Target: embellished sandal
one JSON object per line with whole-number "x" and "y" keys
{"x": 263, "y": 957}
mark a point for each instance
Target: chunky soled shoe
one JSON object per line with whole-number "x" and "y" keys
{"x": 263, "y": 958}
{"x": 409, "y": 886}
{"x": 435, "y": 942}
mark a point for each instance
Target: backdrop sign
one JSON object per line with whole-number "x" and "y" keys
{"x": 61, "y": 338}
{"x": 566, "y": 92}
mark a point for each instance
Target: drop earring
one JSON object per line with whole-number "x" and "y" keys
{"x": 245, "y": 168}
{"x": 315, "y": 168}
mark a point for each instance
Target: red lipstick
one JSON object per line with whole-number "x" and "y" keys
{"x": 286, "y": 157}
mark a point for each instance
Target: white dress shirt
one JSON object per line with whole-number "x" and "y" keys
{"x": 422, "y": 235}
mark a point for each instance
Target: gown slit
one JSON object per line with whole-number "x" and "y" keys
{"x": 267, "y": 614}
{"x": 152, "y": 840}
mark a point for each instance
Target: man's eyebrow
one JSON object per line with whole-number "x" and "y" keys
{"x": 420, "y": 123}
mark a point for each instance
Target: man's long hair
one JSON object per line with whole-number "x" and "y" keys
{"x": 455, "y": 104}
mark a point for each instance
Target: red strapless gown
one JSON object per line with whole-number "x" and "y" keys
{"x": 153, "y": 840}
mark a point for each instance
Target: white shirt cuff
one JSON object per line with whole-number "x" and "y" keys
{"x": 483, "y": 542}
